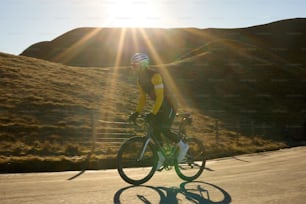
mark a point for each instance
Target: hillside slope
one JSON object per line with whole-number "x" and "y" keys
{"x": 43, "y": 99}
{"x": 110, "y": 46}
{"x": 47, "y": 109}
{"x": 230, "y": 80}
{"x": 245, "y": 88}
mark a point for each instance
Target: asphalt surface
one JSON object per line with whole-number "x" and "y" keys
{"x": 269, "y": 177}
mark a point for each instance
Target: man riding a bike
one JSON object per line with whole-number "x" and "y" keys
{"x": 150, "y": 83}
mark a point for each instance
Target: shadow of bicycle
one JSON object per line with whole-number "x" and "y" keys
{"x": 188, "y": 192}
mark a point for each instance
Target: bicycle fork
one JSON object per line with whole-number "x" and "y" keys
{"x": 143, "y": 149}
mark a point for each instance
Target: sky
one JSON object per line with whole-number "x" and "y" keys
{"x": 25, "y": 22}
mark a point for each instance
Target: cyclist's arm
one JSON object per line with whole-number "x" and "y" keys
{"x": 141, "y": 100}
{"x": 159, "y": 92}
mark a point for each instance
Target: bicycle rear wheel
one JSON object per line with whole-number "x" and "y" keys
{"x": 129, "y": 157}
{"x": 194, "y": 163}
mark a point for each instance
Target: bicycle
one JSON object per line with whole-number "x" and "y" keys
{"x": 141, "y": 151}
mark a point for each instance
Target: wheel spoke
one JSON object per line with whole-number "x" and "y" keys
{"x": 132, "y": 155}
{"x": 194, "y": 163}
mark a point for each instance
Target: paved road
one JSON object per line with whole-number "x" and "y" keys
{"x": 271, "y": 177}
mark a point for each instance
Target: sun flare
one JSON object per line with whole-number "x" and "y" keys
{"x": 125, "y": 13}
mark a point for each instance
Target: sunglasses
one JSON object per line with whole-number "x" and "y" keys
{"x": 135, "y": 65}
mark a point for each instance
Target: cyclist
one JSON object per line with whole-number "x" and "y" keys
{"x": 150, "y": 83}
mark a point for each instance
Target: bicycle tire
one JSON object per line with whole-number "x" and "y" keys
{"x": 127, "y": 161}
{"x": 194, "y": 163}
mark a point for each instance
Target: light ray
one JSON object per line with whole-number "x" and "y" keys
{"x": 75, "y": 48}
{"x": 134, "y": 39}
{"x": 163, "y": 70}
{"x": 120, "y": 49}
{"x": 113, "y": 79}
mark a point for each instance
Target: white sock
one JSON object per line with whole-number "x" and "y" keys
{"x": 160, "y": 155}
{"x": 181, "y": 144}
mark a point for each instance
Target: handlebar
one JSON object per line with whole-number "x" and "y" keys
{"x": 140, "y": 120}
{"x": 186, "y": 119}
{"x": 184, "y": 115}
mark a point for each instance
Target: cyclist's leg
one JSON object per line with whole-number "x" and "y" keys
{"x": 157, "y": 128}
{"x": 167, "y": 116}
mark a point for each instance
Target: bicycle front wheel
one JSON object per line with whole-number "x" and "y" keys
{"x": 194, "y": 163}
{"x": 135, "y": 153}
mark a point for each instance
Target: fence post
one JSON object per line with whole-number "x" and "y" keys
{"x": 217, "y": 132}
{"x": 252, "y": 129}
{"x": 237, "y": 130}
{"x": 263, "y": 129}
{"x": 93, "y": 129}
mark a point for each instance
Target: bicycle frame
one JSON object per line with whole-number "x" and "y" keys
{"x": 146, "y": 155}
{"x": 159, "y": 147}
{"x": 150, "y": 137}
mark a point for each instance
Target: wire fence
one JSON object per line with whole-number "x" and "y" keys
{"x": 80, "y": 131}
{"x": 114, "y": 132}
{"x": 253, "y": 129}
{"x": 81, "y": 139}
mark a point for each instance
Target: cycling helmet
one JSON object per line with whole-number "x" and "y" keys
{"x": 140, "y": 59}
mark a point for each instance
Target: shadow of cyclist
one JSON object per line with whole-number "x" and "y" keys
{"x": 193, "y": 192}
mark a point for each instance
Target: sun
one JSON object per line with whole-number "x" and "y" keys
{"x": 133, "y": 13}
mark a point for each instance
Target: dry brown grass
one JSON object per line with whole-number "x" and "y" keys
{"x": 46, "y": 116}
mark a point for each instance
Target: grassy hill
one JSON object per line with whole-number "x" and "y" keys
{"x": 46, "y": 108}
{"x": 106, "y": 46}
{"x": 244, "y": 95}
{"x": 46, "y": 120}
{"x": 245, "y": 80}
